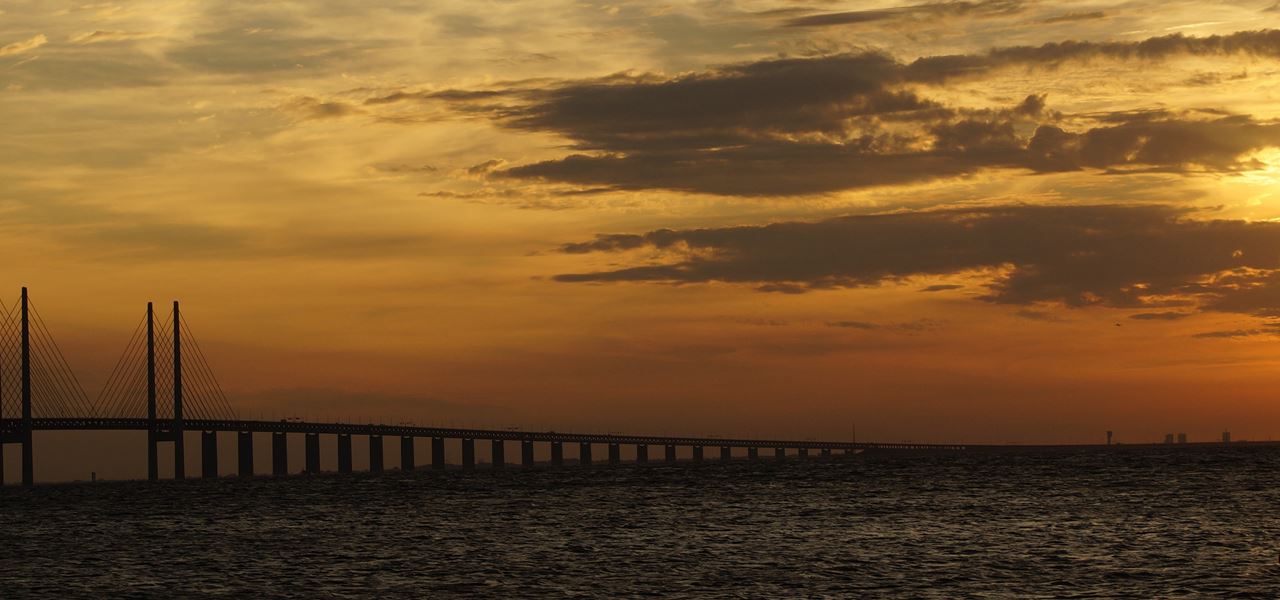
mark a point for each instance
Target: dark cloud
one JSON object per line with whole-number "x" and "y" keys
{"x": 1216, "y": 144}
{"x": 815, "y": 125}
{"x": 403, "y": 168}
{"x": 308, "y": 107}
{"x": 1236, "y": 333}
{"x": 919, "y": 12}
{"x": 949, "y": 149}
{"x": 485, "y": 168}
{"x": 853, "y": 324}
{"x": 775, "y": 169}
{"x": 1116, "y": 256}
{"x": 1072, "y": 17}
{"x": 942, "y": 287}
{"x": 1210, "y": 79}
{"x": 1160, "y": 316}
{"x": 916, "y": 326}
{"x": 1037, "y": 315}
{"x": 796, "y": 126}
{"x": 731, "y": 105}
{"x": 938, "y": 69}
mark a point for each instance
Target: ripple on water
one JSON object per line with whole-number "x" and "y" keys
{"x": 1161, "y": 523}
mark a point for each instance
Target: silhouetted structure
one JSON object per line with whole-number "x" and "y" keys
{"x": 164, "y": 398}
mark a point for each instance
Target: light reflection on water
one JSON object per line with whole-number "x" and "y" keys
{"x": 1183, "y": 522}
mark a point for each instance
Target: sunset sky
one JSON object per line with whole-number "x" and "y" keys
{"x": 986, "y": 221}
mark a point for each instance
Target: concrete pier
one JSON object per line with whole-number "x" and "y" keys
{"x": 726, "y": 453}
{"x": 671, "y": 453}
{"x": 208, "y": 454}
{"x": 312, "y": 453}
{"x": 557, "y": 453}
{"x": 468, "y": 453}
{"x": 437, "y": 453}
{"x": 753, "y": 453}
{"x": 244, "y": 453}
{"x": 615, "y": 454}
{"x": 642, "y": 453}
{"x": 344, "y": 453}
{"x": 803, "y": 453}
{"x": 498, "y": 456}
{"x": 279, "y": 454}
{"x": 697, "y": 454}
{"x": 406, "y": 453}
{"x": 375, "y": 454}
{"x": 526, "y": 453}
{"x": 780, "y": 453}
{"x": 826, "y": 453}
{"x": 584, "y": 454}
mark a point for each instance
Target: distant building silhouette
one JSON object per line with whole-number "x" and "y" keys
{"x": 1109, "y": 433}
{"x": 1168, "y": 438}
{"x": 1226, "y": 437}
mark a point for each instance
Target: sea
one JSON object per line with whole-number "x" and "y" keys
{"x": 1177, "y": 522}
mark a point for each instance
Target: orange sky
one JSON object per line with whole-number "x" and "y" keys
{"x": 994, "y": 220}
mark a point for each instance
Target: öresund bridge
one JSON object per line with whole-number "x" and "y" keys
{"x": 163, "y": 385}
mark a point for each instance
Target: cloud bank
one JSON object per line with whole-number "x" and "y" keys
{"x": 1117, "y": 256}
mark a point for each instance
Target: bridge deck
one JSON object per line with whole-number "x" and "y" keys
{"x": 87, "y": 424}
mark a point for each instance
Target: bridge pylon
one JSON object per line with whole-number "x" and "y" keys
{"x": 162, "y": 376}
{"x": 35, "y": 381}
{"x": 28, "y": 450}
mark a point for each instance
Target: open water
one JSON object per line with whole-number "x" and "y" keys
{"x": 1187, "y": 522}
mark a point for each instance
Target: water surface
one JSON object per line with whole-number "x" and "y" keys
{"x": 1185, "y": 522}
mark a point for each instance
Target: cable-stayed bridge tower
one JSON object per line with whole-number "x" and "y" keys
{"x": 164, "y": 377}
{"x": 162, "y": 385}
{"x": 147, "y": 384}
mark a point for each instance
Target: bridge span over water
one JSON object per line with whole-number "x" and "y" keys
{"x": 164, "y": 386}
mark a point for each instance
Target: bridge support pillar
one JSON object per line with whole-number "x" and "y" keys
{"x": 153, "y": 454}
{"x": 244, "y": 453}
{"x": 498, "y": 455}
{"x": 313, "y": 453}
{"x": 780, "y": 453}
{"x": 753, "y": 453}
{"x": 697, "y": 454}
{"x": 28, "y": 458}
{"x": 526, "y": 452}
{"x": 468, "y": 453}
{"x": 584, "y": 454}
{"x": 826, "y": 453}
{"x": 375, "y": 454}
{"x": 209, "y": 454}
{"x": 279, "y": 454}
{"x": 803, "y": 453}
{"x": 671, "y": 453}
{"x": 642, "y": 453}
{"x": 437, "y": 453}
{"x": 406, "y": 453}
{"x": 615, "y": 454}
{"x": 557, "y": 453}
{"x": 344, "y": 453}
{"x": 726, "y": 453}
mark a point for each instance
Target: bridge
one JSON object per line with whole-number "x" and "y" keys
{"x": 163, "y": 385}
